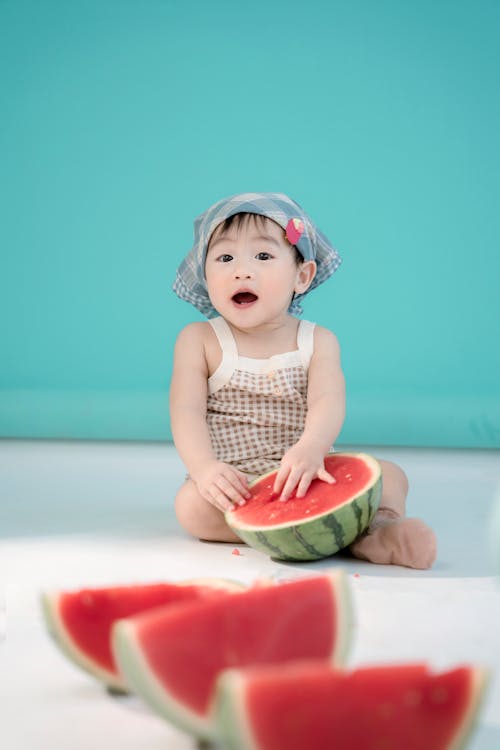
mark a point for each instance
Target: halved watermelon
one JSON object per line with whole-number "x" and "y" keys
{"x": 81, "y": 621}
{"x": 172, "y": 657}
{"x": 310, "y": 705}
{"x": 328, "y": 518}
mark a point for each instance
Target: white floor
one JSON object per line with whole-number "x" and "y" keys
{"x": 84, "y": 514}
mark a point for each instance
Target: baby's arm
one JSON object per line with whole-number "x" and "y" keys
{"x": 325, "y": 415}
{"x": 217, "y": 482}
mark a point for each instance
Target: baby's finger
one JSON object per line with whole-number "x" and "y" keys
{"x": 325, "y": 476}
{"x": 280, "y": 480}
{"x": 240, "y": 481}
{"x": 290, "y": 485}
{"x": 230, "y": 491}
{"x": 304, "y": 484}
{"x": 219, "y": 500}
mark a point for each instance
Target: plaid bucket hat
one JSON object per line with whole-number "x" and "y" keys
{"x": 190, "y": 284}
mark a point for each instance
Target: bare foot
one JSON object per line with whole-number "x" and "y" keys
{"x": 406, "y": 541}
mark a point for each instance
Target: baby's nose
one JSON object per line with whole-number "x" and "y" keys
{"x": 242, "y": 272}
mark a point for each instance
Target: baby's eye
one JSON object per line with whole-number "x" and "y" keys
{"x": 225, "y": 258}
{"x": 263, "y": 255}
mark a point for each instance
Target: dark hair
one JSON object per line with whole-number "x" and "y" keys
{"x": 243, "y": 217}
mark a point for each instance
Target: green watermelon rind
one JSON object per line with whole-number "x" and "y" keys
{"x": 480, "y": 680}
{"x": 233, "y": 724}
{"x": 236, "y": 733}
{"x": 55, "y": 626}
{"x": 142, "y": 680}
{"x": 50, "y": 601}
{"x": 321, "y": 535}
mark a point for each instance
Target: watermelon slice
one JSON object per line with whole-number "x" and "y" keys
{"x": 172, "y": 657}
{"x": 311, "y": 705}
{"x": 81, "y": 621}
{"x": 328, "y": 518}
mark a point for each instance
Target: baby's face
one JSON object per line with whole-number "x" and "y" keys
{"x": 252, "y": 273}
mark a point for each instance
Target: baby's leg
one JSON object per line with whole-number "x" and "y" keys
{"x": 392, "y": 538}
{"x": 199, "y": 517}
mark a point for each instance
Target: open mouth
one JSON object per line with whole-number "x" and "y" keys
{"x": 244, "y": 298}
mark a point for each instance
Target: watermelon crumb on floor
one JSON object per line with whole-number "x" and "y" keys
{"x": 236, "y": 552}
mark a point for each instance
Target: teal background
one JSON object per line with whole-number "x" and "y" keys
{"x": 121, "y": 121}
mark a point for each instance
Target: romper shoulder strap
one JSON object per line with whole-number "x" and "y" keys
{"x": 223, "y": 373}
{"x": 305, "y": 342}
{"x": 224, "y": 335}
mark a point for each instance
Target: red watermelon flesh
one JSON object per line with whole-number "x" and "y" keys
{"x": 401, "y": 707}
{"x": 352, "y": 475}
{"x": 81, "y": 621}
{"x": 172, "y": 658}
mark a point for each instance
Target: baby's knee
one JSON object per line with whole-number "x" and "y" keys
{"x": 394, "y": 478}
{"x": 186, "y": 506}
{"x": 199, "y": 518}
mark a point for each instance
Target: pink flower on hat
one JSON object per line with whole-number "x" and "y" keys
{"x": 294, "y": 230}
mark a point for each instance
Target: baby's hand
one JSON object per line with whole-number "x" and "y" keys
{"x": 299, "y": 466}
{"x": 222, "y": 485}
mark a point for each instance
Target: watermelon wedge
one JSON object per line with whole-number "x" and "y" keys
{"x": 310, "y": 705}
{"x": 80, "y": 621}
{"x": 172, "y": 657}
{"x": 328, "y": 518}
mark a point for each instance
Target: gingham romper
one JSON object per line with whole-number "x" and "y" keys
{"x": 256, "y": 408}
